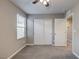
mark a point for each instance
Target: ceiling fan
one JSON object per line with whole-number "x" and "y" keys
{"x": 44, "y": 2}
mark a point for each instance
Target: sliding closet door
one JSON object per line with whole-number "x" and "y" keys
{"x": 38, "y": 32}
{"x": 48, "y": 26}
{"x": 42, "y": 32}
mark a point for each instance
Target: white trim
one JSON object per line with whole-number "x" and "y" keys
{"x": 39, "y": 44}
{"x": 76, "y": 54}
{"x": 16, "y": 52}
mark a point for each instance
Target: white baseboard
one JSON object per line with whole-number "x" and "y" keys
{"x": 76, "y": 55}
{"x": 39, "y": 45}
{"x": 16, "y": 52}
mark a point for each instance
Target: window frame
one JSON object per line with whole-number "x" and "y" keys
{"x": 22, "y": 27}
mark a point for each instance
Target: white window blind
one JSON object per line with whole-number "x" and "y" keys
{"x": 20, "y": 26}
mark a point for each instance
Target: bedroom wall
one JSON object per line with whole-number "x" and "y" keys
{"x": 75, "y": 41}
{"x": 8, "y": 38}
{"x": 75, "y": 28}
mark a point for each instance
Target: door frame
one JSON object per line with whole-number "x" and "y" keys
{"x": 67, "y": 16}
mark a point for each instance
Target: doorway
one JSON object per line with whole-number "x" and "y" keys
{"x": 69, "y": 31}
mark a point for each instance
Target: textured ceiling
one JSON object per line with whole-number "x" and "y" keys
{"x": 56, "y": 6}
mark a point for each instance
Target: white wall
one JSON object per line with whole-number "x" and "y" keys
{"x": 30, "y": 31}
{"x": 8, "y": 40}
{"x": 75, "y": 41}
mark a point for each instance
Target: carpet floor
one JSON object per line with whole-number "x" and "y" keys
{"x": 45, "y": 52}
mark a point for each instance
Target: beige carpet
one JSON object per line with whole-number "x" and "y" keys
{"x": 45, "y": 52}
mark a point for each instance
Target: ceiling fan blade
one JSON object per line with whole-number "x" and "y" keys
{"x": 34, "y": 2}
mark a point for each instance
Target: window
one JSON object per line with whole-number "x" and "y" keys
{"x": 20, "y": 26}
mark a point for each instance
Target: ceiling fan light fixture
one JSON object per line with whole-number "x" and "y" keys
{"x": 41, "y": 1}
{"x": 45, "y": 2}
{"x": 47, "y": 5}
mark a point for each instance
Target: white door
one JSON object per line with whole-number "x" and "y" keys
{"x": 60, "y": 32}
{"x": 48, "y": 31}
{"x": 38, "y": 32}
{"x": 42, "y": 32}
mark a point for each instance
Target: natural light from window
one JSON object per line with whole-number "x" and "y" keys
{"x": 20, "y": 26}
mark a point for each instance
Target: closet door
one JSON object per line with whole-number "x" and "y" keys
{"x": 42, "y": 32}
{"x": 38, "y": 32}
{"x": 48, "y": 26}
